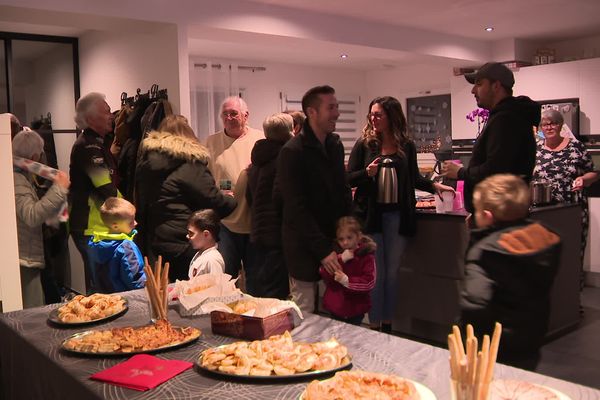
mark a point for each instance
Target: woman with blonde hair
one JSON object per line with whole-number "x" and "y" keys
{"x": 173, "y": 181}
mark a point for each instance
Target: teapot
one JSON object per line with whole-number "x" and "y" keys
{"x": 387, "y": 183}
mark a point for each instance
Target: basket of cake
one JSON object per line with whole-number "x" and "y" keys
{"x": 194, "y": 295}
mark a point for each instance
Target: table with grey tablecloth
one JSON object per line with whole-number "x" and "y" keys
{"x": 32, "y": 365}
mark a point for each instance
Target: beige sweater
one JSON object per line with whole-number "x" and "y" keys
{"x": 31, "y": 214}
{"x": 228, "y": 158}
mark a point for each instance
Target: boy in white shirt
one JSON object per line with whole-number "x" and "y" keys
{"x": 203, "y": 233}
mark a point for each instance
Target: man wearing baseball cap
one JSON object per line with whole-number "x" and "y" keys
{"x": 506, "y": 143}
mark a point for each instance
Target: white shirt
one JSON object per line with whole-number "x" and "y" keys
{"x": 209, "y": 261}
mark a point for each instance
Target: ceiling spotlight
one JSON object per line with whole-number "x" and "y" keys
{"x": 343, "y": 56}
{"x": 489, "y": 29}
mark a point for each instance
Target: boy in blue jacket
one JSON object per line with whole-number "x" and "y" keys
{"x": 117, "y": 262}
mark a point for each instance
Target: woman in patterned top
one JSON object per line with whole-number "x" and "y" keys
{"x": 566, "y": 164}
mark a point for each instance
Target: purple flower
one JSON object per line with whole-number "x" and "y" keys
{"x": 479, "y": 114}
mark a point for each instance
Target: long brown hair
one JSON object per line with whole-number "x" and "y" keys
{"x": 393, "y": 111}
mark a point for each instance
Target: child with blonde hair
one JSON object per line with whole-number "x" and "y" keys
{"x": 117, "y": 262}
{"x": 509, "y": 270}
{"x": 348, "y": 292}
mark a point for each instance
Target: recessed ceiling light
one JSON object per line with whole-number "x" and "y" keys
{"x": 489, "y": 29}
{"x": 343, "y": 56}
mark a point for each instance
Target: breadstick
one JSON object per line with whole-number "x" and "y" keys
{"x": 453, "y": 357}
{"x": 470, "y": 332}
{"x": 153, "y": 304}
{"x": 472, "y": 358}
{"x": 151, "y": 284}
{"x": 158, "y": 271}
{"x": 493, "y": 352}
{"x": 164, "y": 283}
{"x": 459, "y": 342}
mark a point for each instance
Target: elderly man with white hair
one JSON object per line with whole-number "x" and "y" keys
{"x": 32, "y": 212}
{"x": 230, "y": 151}
{"x": 92, "y": 172}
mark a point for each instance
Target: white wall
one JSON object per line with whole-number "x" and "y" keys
{"x": 262, "y": 88}
{"x": 115, "y": 62}
{"x": 579, "y": 79}
{"x": 415, "y": 80}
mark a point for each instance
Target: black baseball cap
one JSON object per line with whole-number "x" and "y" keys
{"x": 494, "y": 72}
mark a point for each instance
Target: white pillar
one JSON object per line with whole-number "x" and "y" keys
{"x": 10, "y": 277}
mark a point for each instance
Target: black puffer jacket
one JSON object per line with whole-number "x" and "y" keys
{"x": 509, "y": 271}
{"x": 315, "y": 194}
{"x": 173, "y": 181}
{"x": 263, "y": 196}
{"x": 506, "y": 144}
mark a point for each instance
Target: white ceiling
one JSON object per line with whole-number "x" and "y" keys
{"x": 523, "y": 19}
{"x": 296, "y": 31}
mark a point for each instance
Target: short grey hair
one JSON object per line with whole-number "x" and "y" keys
{"x": 85, "y": 107}
{"x": 27, "y": 143}
{"x": 243, "y": 107}
{"x": 278, "y": 127}
{"x": 553, "y": 115}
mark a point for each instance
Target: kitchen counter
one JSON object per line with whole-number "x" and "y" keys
{"x": 433, "y": 267}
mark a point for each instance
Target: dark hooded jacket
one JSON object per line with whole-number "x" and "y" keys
{"x": 173, "y": 181}
{"x": 118, "y": 263}
{"x": 262, "y": 195}
{"x": 312, "y": 180}
{"x": 506, "y": 144}
{"x": 509, "y": 271}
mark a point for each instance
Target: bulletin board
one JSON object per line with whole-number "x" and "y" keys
{"x": 430, "y": 122}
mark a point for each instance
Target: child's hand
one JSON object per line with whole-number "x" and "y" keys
{"x": 341, "y": 277}
{"x": 347, "y": 255}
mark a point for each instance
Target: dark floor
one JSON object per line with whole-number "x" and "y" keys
{"x": 575, "y": 357}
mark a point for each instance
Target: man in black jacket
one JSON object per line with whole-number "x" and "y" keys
{"x": 93, "y": 173}
{"x": 315, "y": 194}
{"x": 507, "y": 143}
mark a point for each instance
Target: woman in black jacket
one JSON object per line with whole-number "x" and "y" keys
{"x": 173, "y": 181}
{"x": 265, "y": 205}
{"x": 385, "y": 137}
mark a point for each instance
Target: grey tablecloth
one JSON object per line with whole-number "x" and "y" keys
{"x": 32, "y": 366}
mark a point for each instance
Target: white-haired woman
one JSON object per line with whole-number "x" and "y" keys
{"x": 566, "y": 163}
{"x": 31, "y": 214}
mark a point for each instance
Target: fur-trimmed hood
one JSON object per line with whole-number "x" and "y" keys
{"x": 175, "y": 146}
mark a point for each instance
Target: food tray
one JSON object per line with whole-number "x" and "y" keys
{"x": 172, "y": 346}
{"x": 299, "y": 376}
{"x": 53, "y": 317}
{"x": 423, "y": 391}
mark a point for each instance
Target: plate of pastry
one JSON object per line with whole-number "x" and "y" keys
{"x": 85, "y": 310}
{"x": 150, "y": 338}
{"x": 275, "y": 358}
{"x": 351, "y": 385}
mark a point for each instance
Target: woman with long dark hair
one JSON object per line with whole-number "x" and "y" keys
{"x": 385, "y": 138}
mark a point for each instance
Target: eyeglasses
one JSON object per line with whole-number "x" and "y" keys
{"x": 230, "y": 114}
{"x": 376, "y": 115}
{"x": 550, "y": 124}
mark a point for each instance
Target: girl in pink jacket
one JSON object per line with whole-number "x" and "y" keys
{"x": 348, "y": 292}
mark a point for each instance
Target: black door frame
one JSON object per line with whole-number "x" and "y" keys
{"x": 8, "y": 37}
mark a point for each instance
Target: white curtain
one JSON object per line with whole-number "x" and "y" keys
{"x": 210, "y": 82}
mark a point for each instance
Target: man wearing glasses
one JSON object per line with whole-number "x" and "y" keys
{"x": 230, "y": 151}
{"x": 506, "y": 143}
